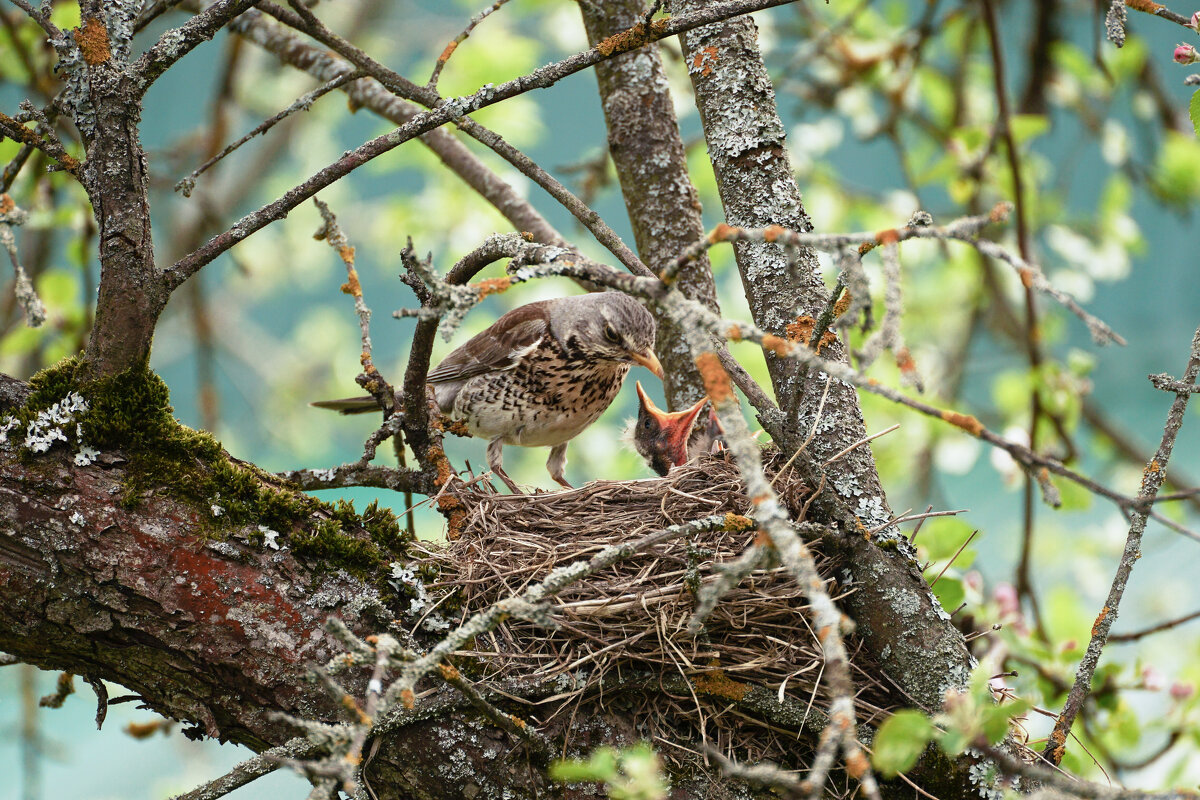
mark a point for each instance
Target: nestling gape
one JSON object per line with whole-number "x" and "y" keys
{"x": 669, "y": 439}
{"x": 540, "y": 374}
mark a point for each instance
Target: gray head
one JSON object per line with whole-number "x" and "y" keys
{"x": 608, "y": 326}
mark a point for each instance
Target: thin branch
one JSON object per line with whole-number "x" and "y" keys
{"x": 447, "y": 112}
{"x": 305, "y": 20}
{"x": 515, "y": 726}
{"x": 1123, "y": 638}
{"x": 964, "y": 229}
{"x": 457, "y": 40}
{"x": 27, "y": 298}
{"x": 52, "y": 30}
{"x": 398, "y": 480}
{"x": 178, "y": 42}
{"x": 303, "y": 103}
{"x": 251, "y": 769}
{"x": 1152, "y": 479}
{"x": 14, "y": 130}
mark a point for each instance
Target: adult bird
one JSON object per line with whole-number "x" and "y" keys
{"x": 540, "y": 374}
{"x": 669, "y": 439}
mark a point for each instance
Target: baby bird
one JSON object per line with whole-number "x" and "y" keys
{"x": 540, "y": 374}
{"x": 669, "y": 439}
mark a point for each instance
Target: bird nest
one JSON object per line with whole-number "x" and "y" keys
{"x": 757, "y": 661}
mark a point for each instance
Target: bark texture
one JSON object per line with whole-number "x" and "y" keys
{"x": 902, "y": 624}
{"x": 663, "y": 206}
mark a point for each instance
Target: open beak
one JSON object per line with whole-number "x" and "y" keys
{"x": 649, "y": 361}
{"x": 674, "y": 428}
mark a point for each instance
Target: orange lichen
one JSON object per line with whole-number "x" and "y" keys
{"x": 843, "y": 302}
{"x": 734, "y": 334}
{"x": 449, "y": 672}
{"x": 763, "y": 539}
{"x": 449, "y": 51}
{"x": 865, "y": 248}
{"x": 1099, "y": 620}
{"x": 801, "y": 330}
{"x": 704, "y": 59}
{"x": 458, "y": 427}
{"x": 904, "y": 361}
{"x": 1026, "y": 277}
{"x": 352, "y": 286}
{"x": 1152, "y": 467}
{"x": 408, "y": 699}
{"x": 776, "y": 344}
{"x": 722, "y": 233}
{"x": 999, "y": 212}
{"x": 6, "y": 204}
{"x": 716, "y": 682}
{"x": 492, "y": 286}
{"x": 772, "y": 233}
{"x": 965, "y": 421}
{"x": 92, "y": 38}
{"x": 629, "y": 39}
{"x": 889, "y": 236}
{"x": 759, "y": 499}
{"x": 520, "y": 723}
{"x": 736, "y": 522}
{"x": 716, "y": 380}
{"x": 1144, "y": 5}
{"x": 856, "y": 764}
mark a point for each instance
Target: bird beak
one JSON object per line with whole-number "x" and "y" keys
{"x": 649, "y": 361}
{"x": 674, "y": 427}
{"x": 679, "y": 430}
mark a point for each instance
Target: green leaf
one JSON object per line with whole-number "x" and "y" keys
{"x": 995, "y": 718}
{"x": 1194, "y": 111}
{"x": 900, "y": 741}
{"x": 602, "y": 766}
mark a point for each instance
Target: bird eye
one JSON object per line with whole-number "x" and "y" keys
{"x": 610, "y": 333}
{"x": 646, "y": 423}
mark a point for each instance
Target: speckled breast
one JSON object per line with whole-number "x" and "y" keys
{"x": 546, "y": 400}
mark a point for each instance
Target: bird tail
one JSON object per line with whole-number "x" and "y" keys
{"x": 349, "y": 405}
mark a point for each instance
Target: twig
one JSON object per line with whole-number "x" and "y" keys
{"x": 1152, "y": 479}
{"x": 507, "y": 722}
{"x": 50, "y": 145}
{"x": 178, "y": 42}
{"x": 303, "y": 103}
{"x": 402, "y": 87}
{"x": 357, "y": 474}
{"x": 457, "y": 40}
{"x": 763, "y": 774}
{"x": 251, "y": 769}
{"x": 1121, "y": 638}
{"x": 452, "y": 109}
{"x": 52, "y": 30}
{"x": 953, "y": 558}
{"x": 27, "y": 298}
{"x": 370, "y": 379}
{"x": 1159, "y": 10}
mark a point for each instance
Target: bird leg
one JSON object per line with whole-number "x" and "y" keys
{"x": 495, "y": 459}
{"x": 557, "y": 463}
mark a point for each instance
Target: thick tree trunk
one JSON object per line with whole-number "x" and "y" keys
{"x": 663, "y": 206}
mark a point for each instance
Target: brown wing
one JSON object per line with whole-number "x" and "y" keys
{"x": 500, "y": 347}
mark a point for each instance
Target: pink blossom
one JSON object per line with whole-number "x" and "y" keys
{"x": 1180, "y": 690}
{"x": 973, "y": 580}
{"x": 1186, "y": 54}
{"x": 1152, "y": 679}
{"x": 1006, "y": 598}
{"x": 1195, "y": 23}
